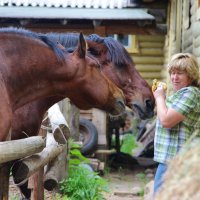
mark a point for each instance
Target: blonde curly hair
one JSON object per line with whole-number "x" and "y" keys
{"x": 188, "y": 63}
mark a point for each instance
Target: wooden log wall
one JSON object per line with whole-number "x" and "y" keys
{"x": 188, "y": 31}
{"x": 150, "y": 56}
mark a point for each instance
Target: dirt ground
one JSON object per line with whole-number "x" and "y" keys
{"x": 124, "y": 185}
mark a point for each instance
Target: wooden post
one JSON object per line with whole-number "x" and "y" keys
{"x": 4, "y": 180}
{"x": 71, "y": 114}
{"x": 35, "y": 183}
{"x": 36, "y": 180}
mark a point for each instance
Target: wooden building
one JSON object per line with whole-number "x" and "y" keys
{"x": 142, "y": 22}
{"x": 183, "y": 33}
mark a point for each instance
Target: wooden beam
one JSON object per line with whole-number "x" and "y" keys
{"x": 100, "y": 30}
{"x": 122, "y": 28}
{"x": 16, "y": 149}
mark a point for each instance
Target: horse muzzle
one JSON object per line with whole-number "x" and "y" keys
{"x": 118, "y": 107}
{"x": 143, "y": 111}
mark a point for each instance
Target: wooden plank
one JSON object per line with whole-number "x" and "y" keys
{"x": 147, "y": 59}
{"x": 149, "y": 68}
{"x": 105, "y": 151}
{"x": 151, "y": 75}
{"x": 187, "y": 39}
{"x": 150, "y": 44}
{"x": 149, "y": 38}
{"x": 196, "y": 42}
{"x": 196, "y": 51}
{"x": 151, "y": 51}
{"x": 196, "y": 29}
{"x": 99, "y": 120}
{"x": 100, "y": 30}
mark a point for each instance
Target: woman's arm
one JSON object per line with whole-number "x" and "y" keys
{"x": 168, "y": 117}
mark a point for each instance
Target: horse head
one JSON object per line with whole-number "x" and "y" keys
{"x": 94, "y": 87}
{"x": 118, "y": 66}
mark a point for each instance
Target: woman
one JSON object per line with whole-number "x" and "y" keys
{"x": 178, "y": 116}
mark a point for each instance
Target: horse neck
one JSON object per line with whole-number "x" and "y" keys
{"x": 26, "y": 81}
{"x": 46, "y": 103}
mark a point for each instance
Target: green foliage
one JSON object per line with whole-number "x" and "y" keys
{"x": 82, "y": 183}
{"x": 77, "y": 158}
{"x": 143, "y": 180}
{"x": 14, "y": 198}
{"x": 128, "y": 144}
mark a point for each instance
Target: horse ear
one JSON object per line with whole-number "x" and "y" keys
{"x": 82, "y": 46}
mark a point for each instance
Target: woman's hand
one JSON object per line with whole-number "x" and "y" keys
{"x": 159, "y": 92}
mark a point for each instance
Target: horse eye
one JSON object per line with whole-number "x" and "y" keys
{"x": 93, "y": 52}
{"x": 70, "y": 50}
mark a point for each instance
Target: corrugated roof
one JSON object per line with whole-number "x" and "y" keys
{"x": 74, "y": 13}
{"x": 67, "y": 3}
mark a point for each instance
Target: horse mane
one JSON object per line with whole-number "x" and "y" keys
{"x": 116, "y": 51}
{"x": 68, "y": 40}
{"x": 24, "y": 32}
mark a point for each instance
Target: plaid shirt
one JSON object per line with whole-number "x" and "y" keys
{"x": 168, "y": 141}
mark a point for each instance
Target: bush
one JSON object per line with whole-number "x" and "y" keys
{"x": 82, "y": 183}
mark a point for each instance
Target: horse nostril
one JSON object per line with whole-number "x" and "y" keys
{"x": 120, "y": 102}
{"x": 149, "y": 104}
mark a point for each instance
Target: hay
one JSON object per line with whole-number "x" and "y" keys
{"x": 182, "y": 179}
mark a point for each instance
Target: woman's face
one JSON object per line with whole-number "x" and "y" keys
{"x": 179, "y": 79}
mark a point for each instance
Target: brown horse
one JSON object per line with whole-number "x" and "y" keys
{"x": 115, "y": 64}
{"x": 33, "y": 67}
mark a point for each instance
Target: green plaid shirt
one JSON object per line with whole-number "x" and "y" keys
{"x": 168, "y": 141}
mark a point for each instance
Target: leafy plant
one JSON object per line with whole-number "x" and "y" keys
{"x": 128, "y": 144}
{"x": 82, "y": 183}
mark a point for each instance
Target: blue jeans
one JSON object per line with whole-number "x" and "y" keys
{"x": 158, "y": 180}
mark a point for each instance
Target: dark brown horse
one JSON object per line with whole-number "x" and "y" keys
{"x": 116, "y": 64}
{"x": 33, "y": 67}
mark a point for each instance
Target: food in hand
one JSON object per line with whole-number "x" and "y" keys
{"x": 156, "y": 83}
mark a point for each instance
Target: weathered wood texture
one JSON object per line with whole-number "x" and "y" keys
{"x": 56, "y": 169}
{"x": 59, "y": 125}
{"x": 35, "y": 183}
{"x": 71, "y": 114}
{"x": 16, "y": 149}
{"x": 188, "y": 30}
{"x": 28, "y": 166}
{"x": 150, "y": 57}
